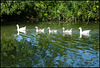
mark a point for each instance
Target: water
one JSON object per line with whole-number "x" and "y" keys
{"x": 49, "y": 50}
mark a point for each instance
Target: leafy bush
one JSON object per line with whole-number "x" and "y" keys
{"x": 51, "y": 10}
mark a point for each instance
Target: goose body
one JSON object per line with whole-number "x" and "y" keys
{"x": 52, "y": 31}
{"x": 85, "y": 32}
{"x": 39, "y": 30}
{"x": 67, "y": 31}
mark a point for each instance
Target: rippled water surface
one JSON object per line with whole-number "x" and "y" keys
{"x": 50, "y": 49}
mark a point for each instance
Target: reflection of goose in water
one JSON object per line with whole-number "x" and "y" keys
{"x": 39, "y": 30}
{"x": 87, "y": 35}
{"x": 52, "y": 31}
{"x": 85, "y": 32}
{"x": 68, "y": 32}
{"x": 23, "y": 29}
{"x": 22, "y": 32}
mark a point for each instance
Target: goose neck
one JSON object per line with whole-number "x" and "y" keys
{"x": 63, "y": 30}
{"x": 17, "y": 27}
{"x": 80, "y": 30}
{"x": 49, "y": 30}
{"x": 36, "y": 29}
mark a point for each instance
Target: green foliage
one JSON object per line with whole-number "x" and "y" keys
{"x": 52, "y": 10}
{"x": 8, "y": 51}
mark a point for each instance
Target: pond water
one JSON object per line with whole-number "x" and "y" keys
{"x": 46, "y": 49}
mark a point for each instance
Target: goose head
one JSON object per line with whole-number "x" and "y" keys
{"x": 79, "y": 28}
{"x": 63, "y": 28}
{"x": 36, "y": 27}
{"x": 17, "y": 25}
{"x": 48, "y": 28}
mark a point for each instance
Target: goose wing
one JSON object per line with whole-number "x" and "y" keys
{"x": 53, "y": 30}
{"x": 41, "y": 30}
{"x": 86, "y": 31}
{"x": 67, "y": 31}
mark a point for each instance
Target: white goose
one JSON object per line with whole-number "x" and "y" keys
{"x": 39, "y": 30}
{"x": 23, "y": 29}
{"x": 67, "y": 31}
{"x": 20, "y": 29}
{"x": 85, "y": 32}
{"x": 52, "y": 31}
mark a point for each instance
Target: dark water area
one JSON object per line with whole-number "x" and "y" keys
{"x": 44, "y": 49}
